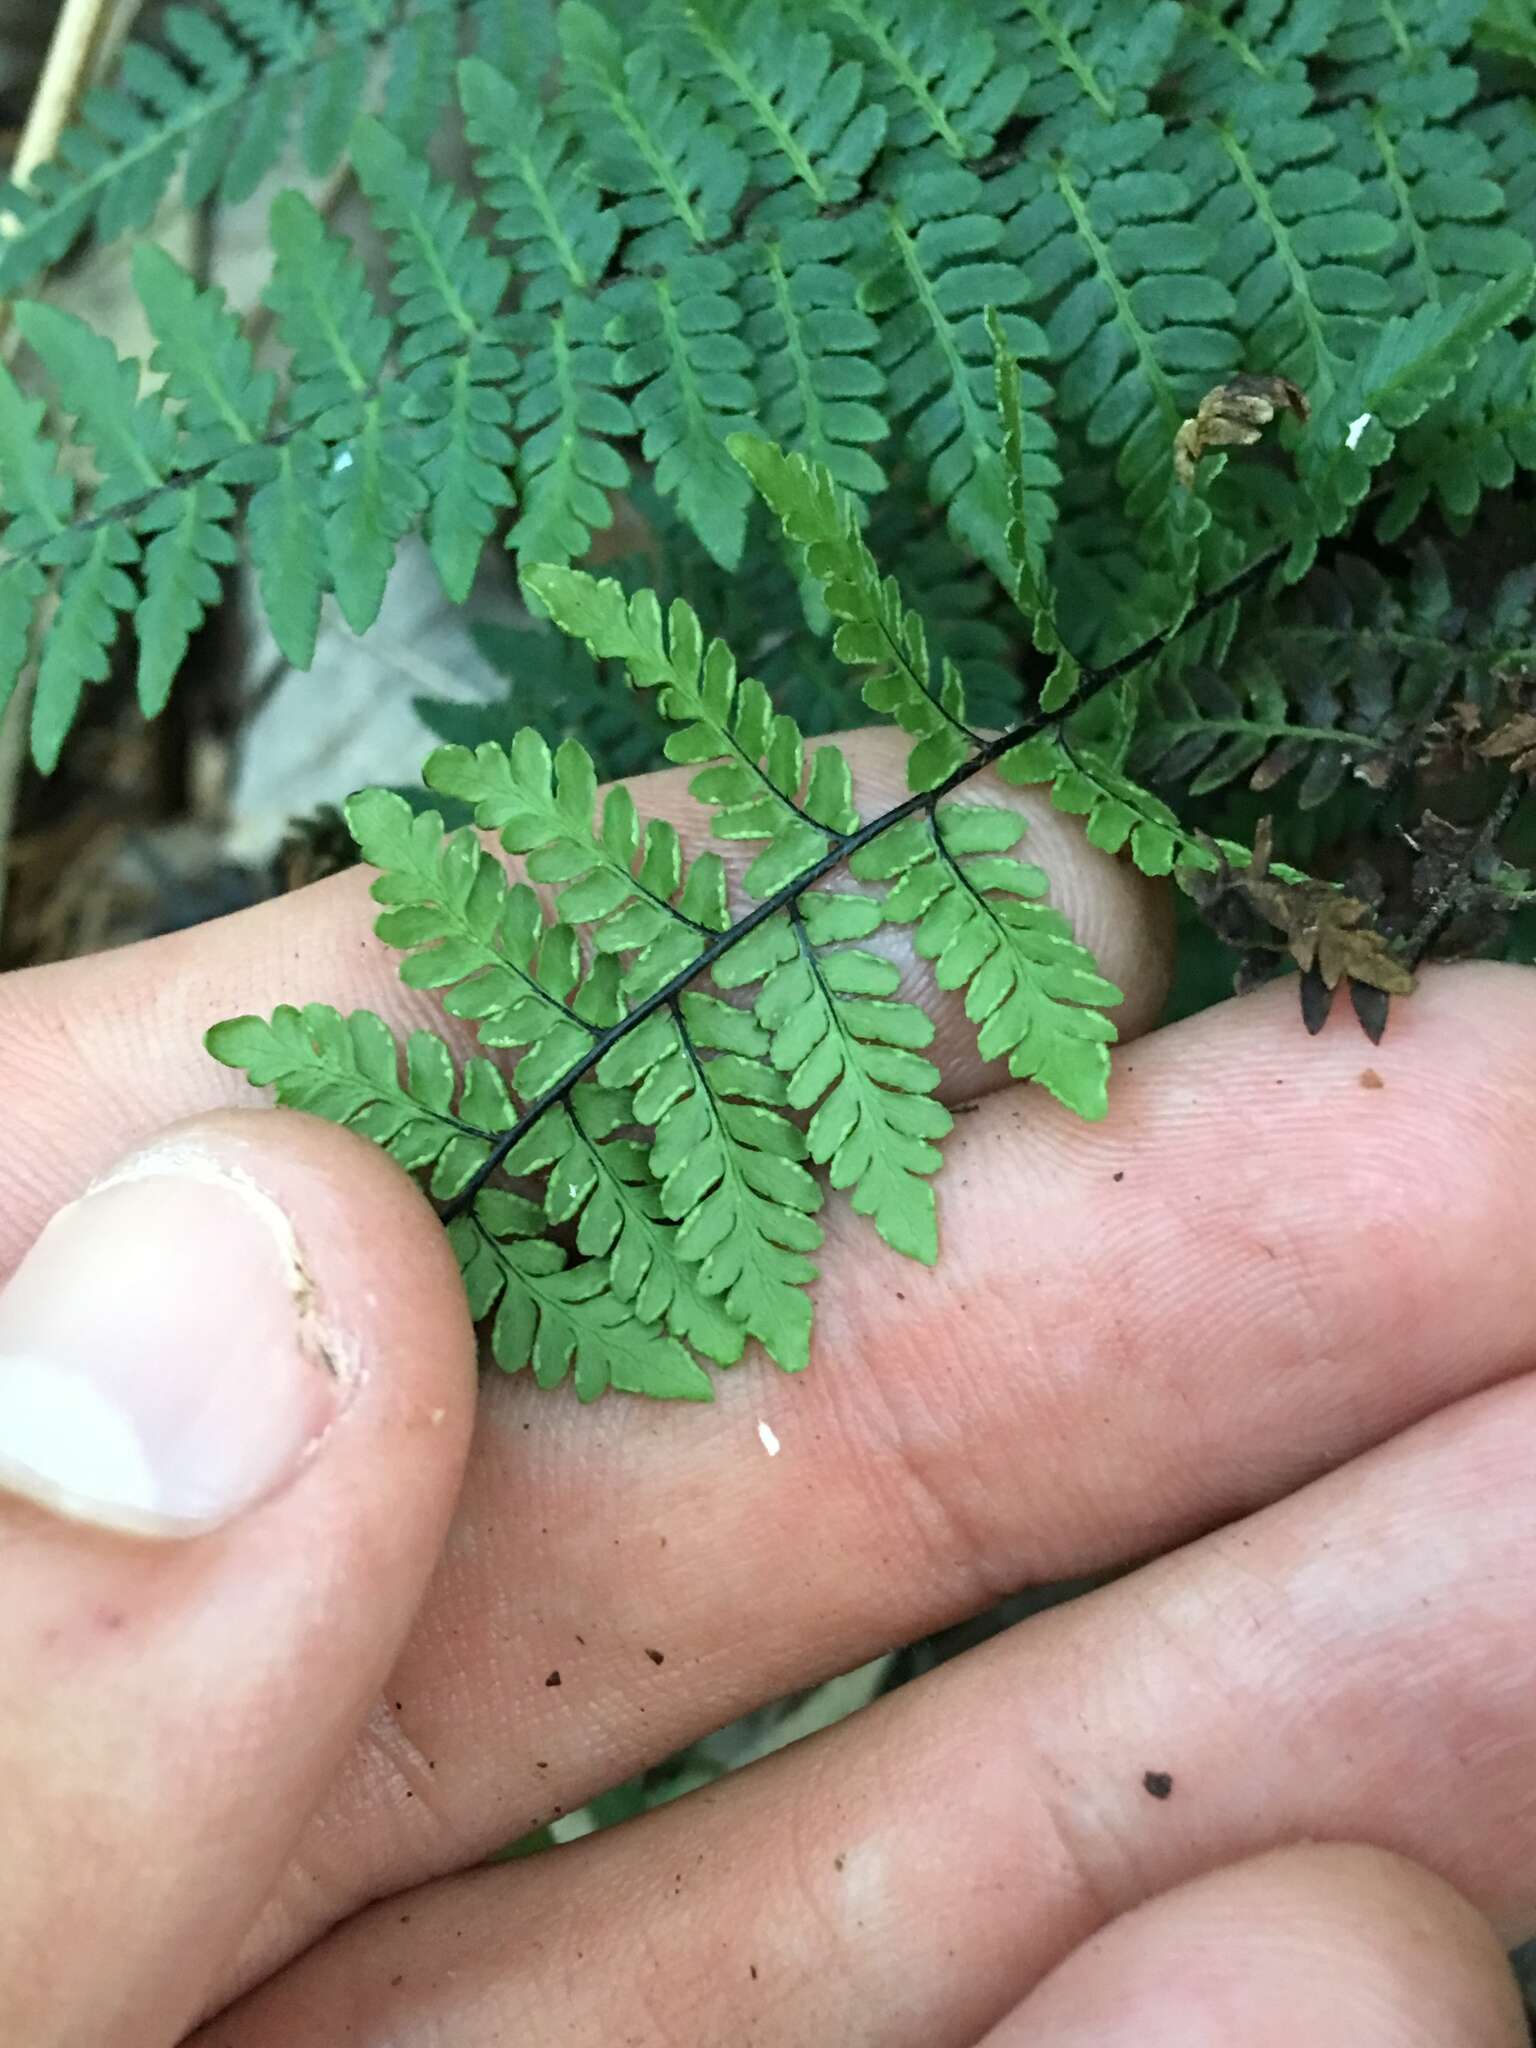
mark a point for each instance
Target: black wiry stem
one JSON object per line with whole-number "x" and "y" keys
{"x": 1090, "y": 683}
{"x": 1448, "y": 903}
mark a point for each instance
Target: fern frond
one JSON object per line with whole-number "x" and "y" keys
{"x": 1140, "y": 322}
{"x": 729, "y": 1163}
{"x": 1433, "y": 182}
{"x": 550, "y": 683}
{"x": 802, "y": 116}
{"x": 1505, "y": 26}
{"x": 570, "y": 415}
{"x": 851, "y": 1054}
{"x": 625, "y": 881}
{"x": 1222, "y": 50}
{"x": 205, "y": 359}
{"x": 530, "y": 162}
{"x": 875, "y": 628}
{"x": 1291, "y": 235}
{"x": 598, "y": 1182}
{"x": 1474, "y": 441}
{"x": 1118, "y": 815}
{"x": 1103, "y": 55}
{"x": 454, "y": 400}
{"x": 1206, "y": 730}
{"x": 942, "y": 265}
{"x": 757, "y": 779}
{"x": 465, "y": 929}
{"x": 1029, "y": 986}
{"x": 563, "y": 1320}
{"x": 1507, "y": 129}
{"x": 347, "y": 1069}
{"x": 1412, "y": 363}
{"x": 132, "y": 438}
{"x": 957, "y": 597}
{"x": 220, "y": 98}
{"x": 1376, "y": 46}
{"x": 937, "y": 71}
{"x": 677, "y": 170}
{"x": 183, "y": 581}
{"x": 420, "y": 81}
{"x": 679, "y": 339}
{"x": 820, "y": 386}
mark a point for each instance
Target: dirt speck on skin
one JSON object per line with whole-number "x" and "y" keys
{"x": 1158, "y": 1783}
{"x": 553, "y": 1678}
{"x": 1371, "y": 1079}
{"x": 838, "y": 1862}
{"x": 1118, "y": 1176}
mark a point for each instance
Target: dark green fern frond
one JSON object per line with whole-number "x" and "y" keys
{"x": 681, "y": 350}
{"x": 570, "y": 416}
{"x": 1433, "y": 182}
{"x": 1103, "y": 55}
{"x": 1208, "y": 729}
{"x": 1507, "y": 129}
{"x": 804, "y": 119}
{"x": 1413, "y": 363}
{"x": 1137, "y": 321}
{"x": 453, "y": 397}
{"x": 555, "y": 686}
{"x": 1292, "y": 237}
{"x": 820, "y": 386}
{"x": 1224, "y": 50}
{"x": 675, "y": 166}
{"x": 939, "y": 74}
{"x": 219, "y": 95}
{"x": 943, "y": 265}
{"x": 532, "y": 167}
{"x": 1340, "y": 679}
{"x": 1380, "y": 43}
{"x": 1477, "y": 440}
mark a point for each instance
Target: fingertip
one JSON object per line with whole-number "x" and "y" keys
{"x": 1338, "y": 1945}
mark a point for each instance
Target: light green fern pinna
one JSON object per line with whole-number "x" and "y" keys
{"x": 996, "y": 293}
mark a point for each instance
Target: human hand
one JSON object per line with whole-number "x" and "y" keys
{"x": 1266, "y": 1319}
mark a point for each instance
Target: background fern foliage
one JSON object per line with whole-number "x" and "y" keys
{"x": 880, "y": 323}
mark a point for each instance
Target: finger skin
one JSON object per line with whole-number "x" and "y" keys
{"x": 171, "y": 1713}
{"x": 1292, "y": 1268}
{"x": 1356, "y": 1662}
{"x": 1318, "y": 1946}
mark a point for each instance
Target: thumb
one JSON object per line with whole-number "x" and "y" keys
{"x": 236, "y": 1387}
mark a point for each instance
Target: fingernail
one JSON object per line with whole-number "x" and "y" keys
{"x": 165, "y": 1362}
